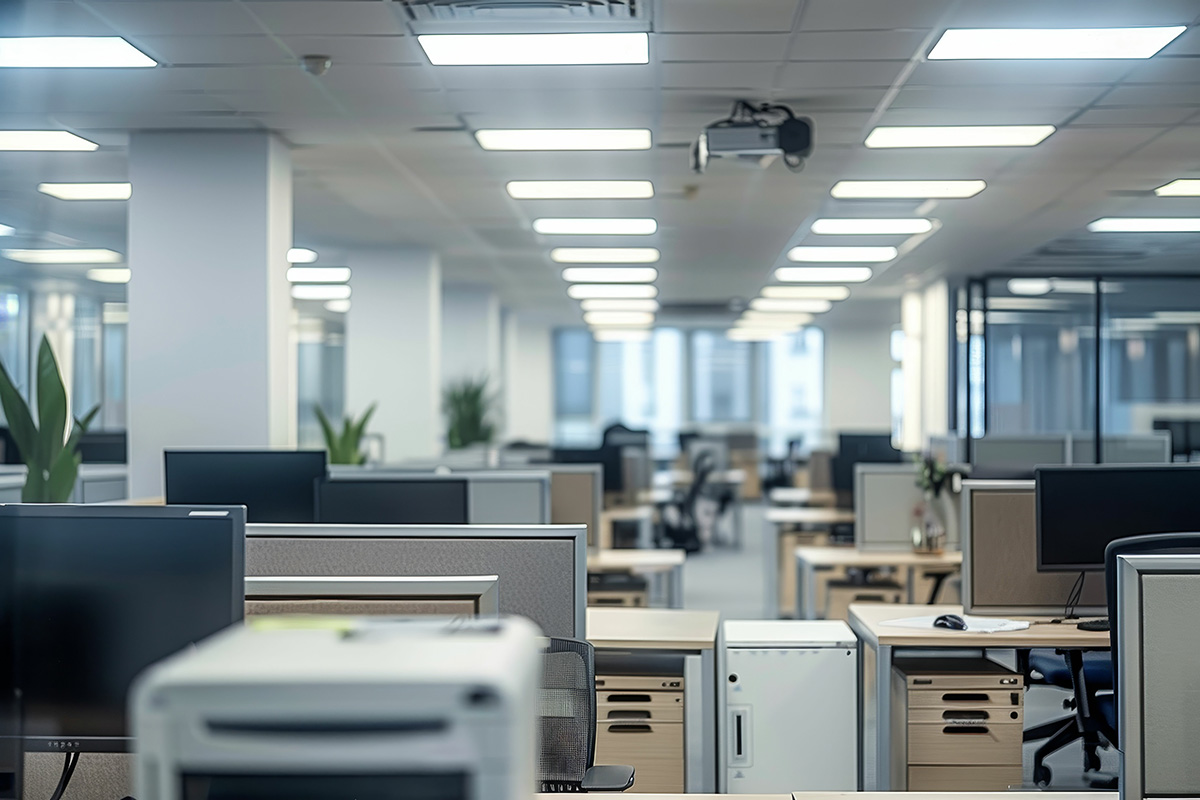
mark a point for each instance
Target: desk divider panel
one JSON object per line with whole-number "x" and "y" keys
{"x": 885, "y": 496}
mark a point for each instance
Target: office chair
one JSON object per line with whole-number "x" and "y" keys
{"x": 681, "y": 520}
{"x": 568, "y": 723}
{"x": 1086, "y": 674}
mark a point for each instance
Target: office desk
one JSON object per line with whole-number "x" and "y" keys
{"x": 802, "y": 496}
{"x": 880, "y": 644}
{"x": 778, "y": 547}
{"x": 642, "y": 515}
{"x": 811, "y": 560}
{"x": 855, "y": 796}
{"x": 632, "y": 640}
{"x": 664, "y": 568}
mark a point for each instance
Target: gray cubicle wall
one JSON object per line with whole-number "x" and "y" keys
{"x": 96, "y": 483}
{"x": 1151, "y": 448}
{"x": 1158, "y": 635}
{"x": 542, "y": 568}
{"x": 999, "y": 543}
{"x": 1019, "y": 452}
{"x": 885, "y": 498}
{"x": 494, "y": 497}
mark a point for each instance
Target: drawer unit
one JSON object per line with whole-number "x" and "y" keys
{"x": 958, "y": 723}
{"x": 653, "y": 706}
{"x": 655, "y": 749}
{"x": 638, "y": 683}
{"x": 619, "y": 599}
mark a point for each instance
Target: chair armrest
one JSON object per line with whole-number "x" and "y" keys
{"x": 607, "y": 779}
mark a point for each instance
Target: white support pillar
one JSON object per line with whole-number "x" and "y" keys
{"x": 528, "y": 379}
{"x": 210, "y": 358}
{"x": 471, "y": 334}
{"x": 394, "y": 349}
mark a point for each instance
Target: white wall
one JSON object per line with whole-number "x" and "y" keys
{"x": 470, "y": 334}
{"x": 858, "y": 370}
{"x": 528, "y": 379}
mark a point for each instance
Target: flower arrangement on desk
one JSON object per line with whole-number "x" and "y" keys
{"x": 929, "y": 529}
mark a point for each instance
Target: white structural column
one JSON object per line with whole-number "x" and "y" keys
{"x": 210, "y": 358}
{"x": 394, "y": 348}
{"x": 528, "y": 379}
{"x": 471, "y": 334}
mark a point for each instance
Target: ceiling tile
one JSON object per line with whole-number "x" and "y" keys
{"x": 358, "y": 49}
{"x": 743, "y": 16}
{"x": 62, "y": 19}
{"x": 1188, "y": 44}
{"x": 754, "y": 77}
{"x": 721, "y": 46}
{"x": 964, "y": 73}
{"x": 1166, "y": 70}
{"x": 327, "y": 17}
{"x": 172, "y": 17}
{"x": 856, "y": 45}
{"x": 1141, "y": 115}
{"x": 853, "y": 15}
{"x": 1029, "y": 96}
{"x": 1151, "y": 94}
{"x": 535, "y": 79}
{"x": 214, "y": 50}
{"x": 1048, "y": 115}
{"x": 839, "y": 74}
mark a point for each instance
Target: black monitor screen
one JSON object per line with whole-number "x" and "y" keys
{"x": 98, "y": 596}
{"x": 861, "y": 448}
{"x": 273, "y": 485}
{"x": 609, "y": 458}
{"x": 1081, "y": 509}
{"x": 392, "y": 502}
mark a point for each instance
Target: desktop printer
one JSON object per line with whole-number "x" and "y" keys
{"x": 353, "y": 709}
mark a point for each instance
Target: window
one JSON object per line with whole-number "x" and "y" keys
{"x": 721, "y": 372}
{"x": 792, "y": 378}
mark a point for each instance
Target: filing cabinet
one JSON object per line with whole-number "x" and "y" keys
{"x": 639, "y": 721}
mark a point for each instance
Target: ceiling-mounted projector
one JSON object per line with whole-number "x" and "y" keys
{"x": 756, "y": 133}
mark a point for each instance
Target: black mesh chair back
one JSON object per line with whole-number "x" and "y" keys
{"x": 567, "y": 714}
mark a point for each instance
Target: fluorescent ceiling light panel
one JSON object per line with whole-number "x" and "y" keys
{"x": 619, "y": 305}
{"x": 580, "y": 190}
{"x": 1030, "y": 287}
{"x": 328, "y": 291}
{"x": 619, "y": 318}
{"x": 503, "y": 49}
{"x": 823, "y": 274}
{"x": 71, "y": 51}
{"x": 609, "y": 274}
{"x": 959, "y": 136}
{"x": 7, "y": 230}
{"x": 604, "y": 255}
{"x": 767, "y": 325}
{"x": 612, "y": 291}
{"x": 87, "y": 191}
{"x": 318, "y": 274}
{"x": 842, "y": 255}
{"x": 565, "y": 139}
{"x": 753, "y": 335}
{"x": 1184, "y": 187}
{"x": 906, "y": 190}
{"x": 583, "y": 226}
{"x": 871, "y": 227}
{"x": 1145, "y": 225}
{"x": 753, "y": 317}
{"x": 621, "y": 335}
{"x": 109, "y": 275}
{"x": 44, "y": 140}
{"x": 64, "y": 256}
{"x": 805, "y": 306}
{"x": 301, "y": 255}
{"x": 806, "y": 292}
{"x": 337, "y": 306}
{"x": 991, "y": 43}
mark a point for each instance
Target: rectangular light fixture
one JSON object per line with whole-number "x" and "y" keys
{"x": 64, "y": 256}
{"x": 580, "y": 190}
{"x": 318, "y": 274}
{"x": 806, "y": 292}
{"x": 337, "y": 306}
{"x": 842, "y": 255}
{"x": 1145, "y": 225}
{"x": 109, "y": 275}
{"x": 564, "y": 139}
{"x": 906, "y": 190}
{"x": 754, "y": 334}
{"x": 71, "y": 51}
{"x": 87, "y": 191}
{"x": 321, "y": 291}
{"x": 823, "y": 274}
{"x": 1039, "y": 43}
{"x": 602, "y": 304}
{"x": 609, "y": 274}
{"x": 583, "y": 226}
{"x": 7, "y": 230}
{"x": 754, "y": 317}
{"x": 805, "y": 306}
{"x": 604, "y": 255}
{"x": 517, "y": 49}
{"x": 959, "y": 136}
{"x": 612, "y": 291}
{"x": 1184, "y": 187}
{"x": 871, "y": 227}
{"x": 621, "y": 335}
{"x": 783, "y": 323}
{"x": 301, "y": 255}
{"x": 619, "y": 318}
{"x": 44, "y": 141}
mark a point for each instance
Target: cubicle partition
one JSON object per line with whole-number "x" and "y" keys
{"x": 96, "y": 483}
{"x": 999, "y": 542}
{"x": 542, "y": 569}
{"x": 493, "y": 497}
{"x": 454, "y": 595}
{"x": 886, "y": 500}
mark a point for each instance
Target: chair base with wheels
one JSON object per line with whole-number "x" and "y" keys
{"x": 1086, "y": 674}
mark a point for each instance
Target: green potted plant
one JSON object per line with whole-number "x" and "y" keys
{"x": 345, "y": 447}
{"x": 51, "y": 456}
{"x": 468, "y": 407}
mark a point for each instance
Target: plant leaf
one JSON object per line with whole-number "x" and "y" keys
{"x": 52, "y": 405}
{"x": 327, "y": 432}
{"x": 34, "y": 490}
{"x": 61, "y": 480}
{"x": 20, "y": 420}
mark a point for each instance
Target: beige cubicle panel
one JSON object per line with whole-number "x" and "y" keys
{"x": 577, "y": 496}
{"x": 999, "y": 540}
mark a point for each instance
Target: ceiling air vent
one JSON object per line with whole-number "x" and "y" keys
{"x": 612, "y": 14}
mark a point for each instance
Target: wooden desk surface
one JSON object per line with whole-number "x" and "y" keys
{"x": 673, "y": 796}
{"x": 853, "y": 557}
{"x": 802, "y": 495}
{"x": 662, "y": 494}
{"x": 866, "y": 617}
{"x": 684, "y": 477}
{"x": 944, "y": 795}
{"x": 628, "y": 513}
{"x": 636, "y": 559}
{"x": 652, "y": 628}
{"x": 808, "y": 516}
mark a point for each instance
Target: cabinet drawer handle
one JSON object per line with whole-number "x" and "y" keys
{"x": 634, "y": 714}
{"x": 620, "y": 728}
{"x": 965, "y": 716}
{"x": 969, "y": 730}
{"x": 627, "y": 698}
{"x": 965, "y": 697}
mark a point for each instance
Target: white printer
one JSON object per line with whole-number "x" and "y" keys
{"x": 356, "y": 710}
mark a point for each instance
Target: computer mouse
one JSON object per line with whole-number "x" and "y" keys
{"x": 950, "y": 621}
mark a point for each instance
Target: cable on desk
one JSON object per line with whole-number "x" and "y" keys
{"x": 64, "y": 780}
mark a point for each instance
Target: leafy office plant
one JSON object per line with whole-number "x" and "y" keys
{"x": 468, "y": 407}
{"x": 345, "y": 447}
{"x": 933, "y": 475}
{"x": 50, "y": 454}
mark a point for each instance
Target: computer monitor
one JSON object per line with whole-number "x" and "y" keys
{"x": 392, "y": 501}
{"x": 476, "y": 595}
{"x": 861, "y": 448}
{"x": 103, "y": 447}
{"x": 95, "y": 595}
{"x": 607, "y": 457}
{"x": 1080, "y": 509}
{"x": 273, "y": 485}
